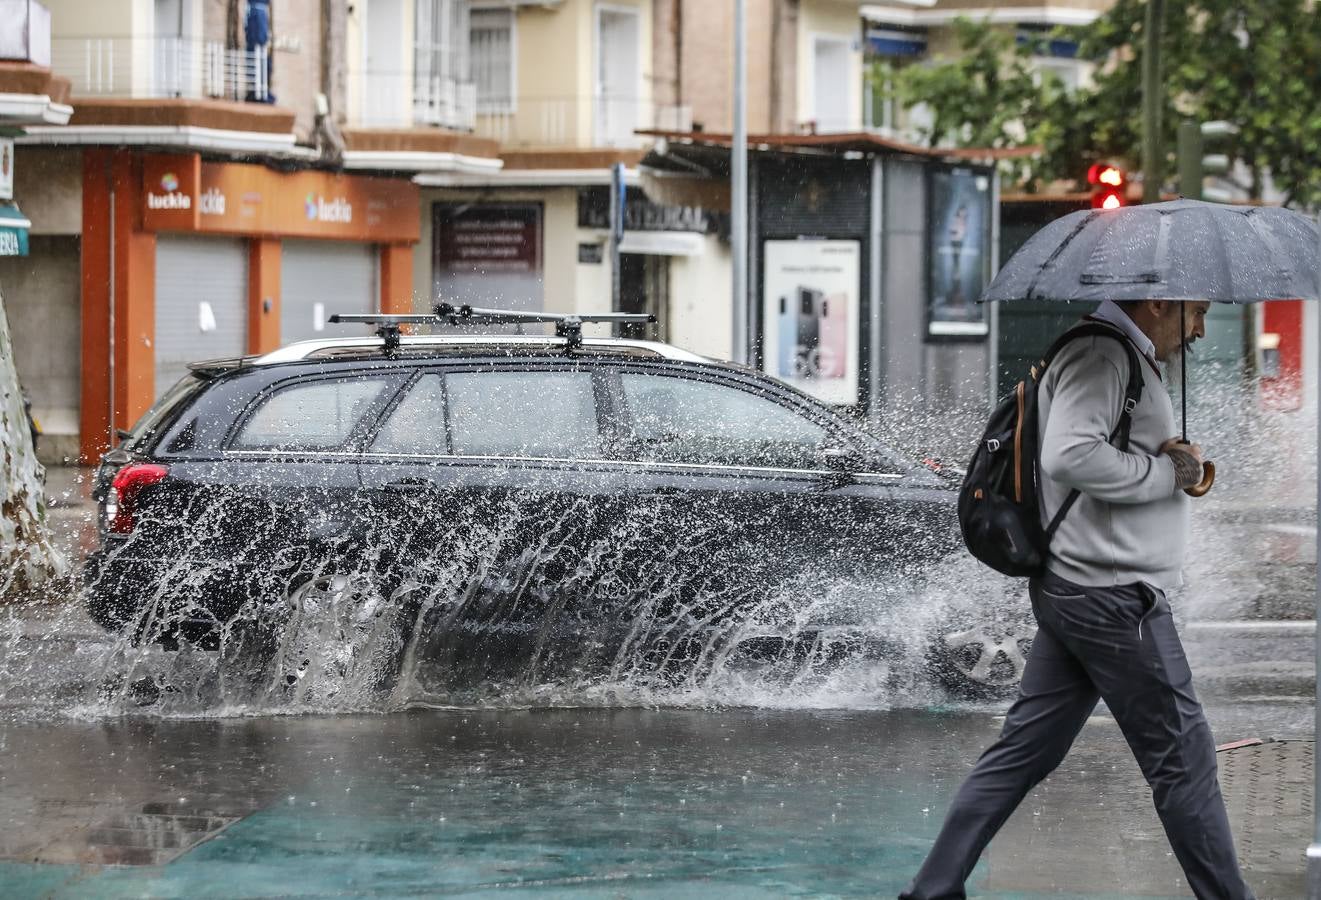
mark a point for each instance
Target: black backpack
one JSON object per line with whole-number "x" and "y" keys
{"x": 999, "y": 504}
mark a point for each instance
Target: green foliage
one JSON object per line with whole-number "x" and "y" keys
{"x": 985, "y": 95}
{"x": 1257, "y": 65}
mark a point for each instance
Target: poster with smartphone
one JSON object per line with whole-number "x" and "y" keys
{"x": 810, "y": 316}
{"x": 959, "y": 239}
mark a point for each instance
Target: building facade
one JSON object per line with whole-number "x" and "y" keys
{"x": 234, "y": 171}
{"x": 210, "y": 196}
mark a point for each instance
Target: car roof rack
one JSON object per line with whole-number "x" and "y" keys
{"x": 567, "y": 325}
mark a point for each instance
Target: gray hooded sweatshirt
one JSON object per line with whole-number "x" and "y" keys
{"x": 1131, "y": 522}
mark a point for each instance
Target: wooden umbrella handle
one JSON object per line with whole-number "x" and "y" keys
{"x": 1208, "y": 479}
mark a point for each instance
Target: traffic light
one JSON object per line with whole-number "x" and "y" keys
{"x": 1108, "y": 183}
{"x": 1194, "y": 162}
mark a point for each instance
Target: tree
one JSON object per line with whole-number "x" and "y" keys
{"x": 1255, "y": 65}
{"x": 28, "y": 561}
{"x": 985, "y": 95}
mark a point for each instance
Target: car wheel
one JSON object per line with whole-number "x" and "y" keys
{"x": 331, "y": 638}
{"x": 981, "y": 660}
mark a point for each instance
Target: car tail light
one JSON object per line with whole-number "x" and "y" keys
{"x": 121, "y": 500}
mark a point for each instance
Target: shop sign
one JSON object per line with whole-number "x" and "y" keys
{"x": 488, "y": 254}
{"x": 491, "y": 237}
{"x": 169, "y": 192}
{"x": 181, "y": 193}
{"x": 13, "y": 231}
{"x": 641, "y": 214}
{"x": 811, "y": 316}
{"x": 6, "y": 168}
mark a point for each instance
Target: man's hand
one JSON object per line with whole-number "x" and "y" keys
{"x": 1187, "y": 461}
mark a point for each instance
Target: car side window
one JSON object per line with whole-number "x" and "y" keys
{"x": 319, "y": 415}
{"x": 688, "y": 421}
{"x": 417, "y": 425}
{"x": 529, "y": 414}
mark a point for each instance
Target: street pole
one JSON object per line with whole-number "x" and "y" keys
{"x": 1153, "y": 96}
{"x": 1314, "y": 850}
{"x": 738, "y": 231}
{"x": 617, "y": 203}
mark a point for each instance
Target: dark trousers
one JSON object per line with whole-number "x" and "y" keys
{"x": 1118, "y": 644}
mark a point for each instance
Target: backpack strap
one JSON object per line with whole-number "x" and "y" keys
{"x": 1132, "y": 394}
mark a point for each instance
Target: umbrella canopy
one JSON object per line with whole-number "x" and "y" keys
{"x": 1180, "y": 250}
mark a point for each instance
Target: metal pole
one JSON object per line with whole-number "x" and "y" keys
{"x": 993, "y": 314}
{"x": 1314, "y": 850}
{"x": 617, "y": 200}
{"x": 1152, "y": 102}
{"x": 738, "y": 231}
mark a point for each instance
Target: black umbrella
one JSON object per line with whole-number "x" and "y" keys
{"x": 1184, "y": 250}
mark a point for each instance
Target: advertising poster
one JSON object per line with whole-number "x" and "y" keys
{"x": 810, "y": 314}
{"x": 488, "y": 254}
{"x": 959, "y": 243}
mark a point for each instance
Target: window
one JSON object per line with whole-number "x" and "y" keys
{"x": 441, "y": 64}
{"x": 417, "y": 425}
{"x": 681, "y": 420}
{"x": 491, "y": 49}
{"x": 528, "y": 414}
{"x": 316, "y": 416}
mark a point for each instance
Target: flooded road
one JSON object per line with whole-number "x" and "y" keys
{"x": 730, "y": 785}
{"x": 581, "y": 802}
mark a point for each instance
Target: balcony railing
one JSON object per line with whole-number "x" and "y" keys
{"x": 401, "y": 99}
{"x": 603, "y": 121}
{"x": 396, "y": 99}
{"x": 161, "y": 67}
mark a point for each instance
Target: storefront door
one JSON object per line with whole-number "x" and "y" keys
{"x": 320, "y": 278}
{"x": 201, "y": 303}
{"x": 644, "y": 288}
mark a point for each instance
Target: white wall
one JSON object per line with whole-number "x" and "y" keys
{"x": 701, "y": 316}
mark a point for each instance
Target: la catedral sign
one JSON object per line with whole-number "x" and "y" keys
{"x": 181, "y": 192}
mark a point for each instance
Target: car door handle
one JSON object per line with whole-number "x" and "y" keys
{"x": 408, "y": 485}
{"x": 664, "y": 492}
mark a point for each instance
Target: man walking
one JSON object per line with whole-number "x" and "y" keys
{"x": 1104, "y": 625}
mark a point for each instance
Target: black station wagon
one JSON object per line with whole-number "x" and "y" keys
{"x": 466, "y": 509}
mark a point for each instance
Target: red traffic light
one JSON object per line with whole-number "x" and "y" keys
{"x": 1108, "y": 182}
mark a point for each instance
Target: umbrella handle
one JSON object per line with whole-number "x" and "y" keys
{"x": 1208, "y": 479}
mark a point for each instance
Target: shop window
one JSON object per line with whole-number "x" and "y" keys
{"x": 491, "y": 49}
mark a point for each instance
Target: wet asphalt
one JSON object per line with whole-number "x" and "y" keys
{"x": 584, "y": 802}
{"x": 592, "y": 799}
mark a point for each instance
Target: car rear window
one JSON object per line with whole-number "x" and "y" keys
{"x": 319, "y": 415}
{"x": 530, "y": 414}
{"x": 164, "y": 410}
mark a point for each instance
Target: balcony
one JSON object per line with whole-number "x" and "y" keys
{"x": 396, "y": 99}
{"x": 161, "y": 67}
{"x": 400, "y": 100}
{"x": 603, "y": 121}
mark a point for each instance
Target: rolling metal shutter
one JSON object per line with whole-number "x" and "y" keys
{"x": 201, "y": 303}
{"x": 319, "y": 278}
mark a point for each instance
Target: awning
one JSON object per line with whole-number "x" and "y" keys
{"x": 663, "y": 243}
{"x": 13, "y": 231}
